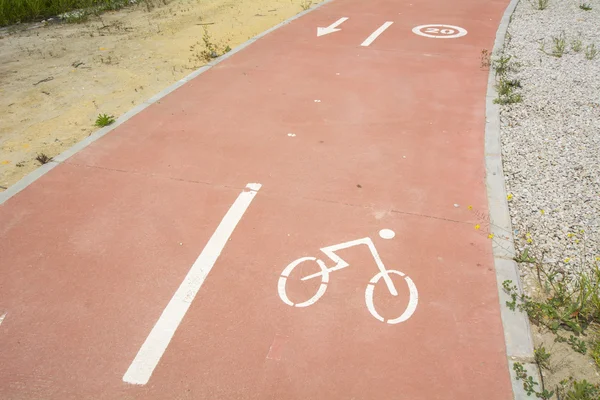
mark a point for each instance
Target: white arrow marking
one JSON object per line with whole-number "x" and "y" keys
{"x": 375, "y": 34}
{"x": 331, "y": 28}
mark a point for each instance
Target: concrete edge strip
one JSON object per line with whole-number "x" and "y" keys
{"x": 62, "y": 157}
{"x": 517, "y": 331}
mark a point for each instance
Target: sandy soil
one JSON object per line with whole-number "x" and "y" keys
{"x": 108, "y": 65}
{"x": 563, "y": 362}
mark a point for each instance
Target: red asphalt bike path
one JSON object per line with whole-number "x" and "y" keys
{"x": 314, "y": 142}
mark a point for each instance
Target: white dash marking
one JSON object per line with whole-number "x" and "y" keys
{"x": 376, "y": 34}
{"x": 156, "y": 343}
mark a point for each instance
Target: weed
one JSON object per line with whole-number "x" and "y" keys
{"x": 529, "y": 384}
{"x": 595, "y": 351}
{"x": 20, "y": 164}
{"x": 305, "y": 4}
{"x": 512, "y": 290}
{"x": 43, "y": 158}
{"x": 486, "y": 60}
{"x": 559, "y": 45}
{"x": 585, "y": 6}
{"x": 505, "y": 89}
{"x": 576, "y": 45}
{"x": 591, "y": 52}
{"x": 541, "y": 4}
{"x": 542, "y": 357}
{"x": 571, "y": 389}
{"x": 104, "y": 120}
{"x": 210, "y": 49}
{"x": 567, "y": 300}
{"x": 577, "y": 344}
{"x": 524, "y": 257}
{"x": 502, "y": 65}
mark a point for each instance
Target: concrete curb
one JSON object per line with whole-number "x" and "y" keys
{"x": 62, "y": 157}
{"x": 517, "y": 331}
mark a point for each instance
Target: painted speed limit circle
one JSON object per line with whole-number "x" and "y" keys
{"x": 440, "y": 31}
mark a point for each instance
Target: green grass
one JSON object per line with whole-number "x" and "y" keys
{"x": 14, "y": 11}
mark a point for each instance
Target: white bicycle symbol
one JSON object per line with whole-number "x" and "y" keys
{"x": 339, "y": 264}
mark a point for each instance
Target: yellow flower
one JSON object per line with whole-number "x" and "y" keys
{"x": 529, "y": 240}
{"x": 470, "y": 207}
{"x": 509, "y": 197}
{"x": 5, "y": 162}
{"x": 528, "y": 234}
{"x": 543, "y": 212}
{"x": 576, "y": 240}
{"x": 598, "y": 258}
{"x": 570, "y": 235}
{"x": 477, "y": 227}
{"x": 582, "y": 231}
{"x": 491, "y": 236}
{"x": 567, "y": 259}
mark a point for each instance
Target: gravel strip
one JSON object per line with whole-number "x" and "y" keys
{"x": 551, "y": 140}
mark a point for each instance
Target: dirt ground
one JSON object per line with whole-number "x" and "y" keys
{"x": 56, "y": 79}
{"x": 563, "y": 362}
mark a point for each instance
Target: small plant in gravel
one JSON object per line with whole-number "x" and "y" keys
{"x": 559, "y": 45}
{"x": 503, "y": 65}
{"x": 506, "y": 94}
{"x": 540, "y": 4}
{"x": 585, "y": 6}
{"x": 576, "y": 45}
{"x": 591, "y": 51}
{"x": 504, "y": 86}
{"x": 104, "y": 120}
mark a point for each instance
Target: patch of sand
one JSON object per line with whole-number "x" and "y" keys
{"x": 108, "y": 65}
{"x": 564, "y": 362}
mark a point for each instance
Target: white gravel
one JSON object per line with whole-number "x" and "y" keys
{"x": 551, "y": 140}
